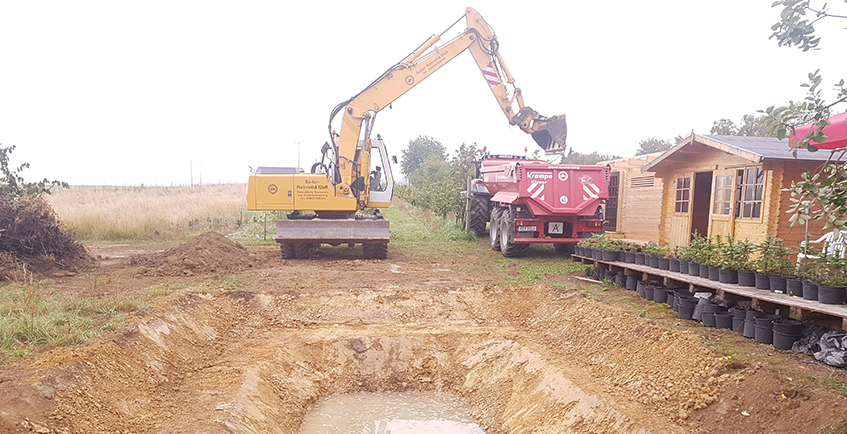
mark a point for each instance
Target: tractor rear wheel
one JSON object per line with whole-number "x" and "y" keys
{"x": 494, "y": 230}
{"x": 508, "y": 247}
{"x": 480, "y": 214}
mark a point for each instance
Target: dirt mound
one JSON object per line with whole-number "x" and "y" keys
{"x": 207, "y": 254}
{"x": 32, "y": 240}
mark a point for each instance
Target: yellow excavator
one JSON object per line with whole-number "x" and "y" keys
{"x": 327, "y": 204}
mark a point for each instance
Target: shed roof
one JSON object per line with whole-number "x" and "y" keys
{"x": 755, "y": 149}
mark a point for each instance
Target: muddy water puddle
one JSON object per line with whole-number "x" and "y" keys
{"x": 390, "y": 413}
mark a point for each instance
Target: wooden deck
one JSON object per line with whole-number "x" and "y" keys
{"x": 828, "y": 315}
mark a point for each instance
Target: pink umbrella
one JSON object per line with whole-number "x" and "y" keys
{"x": 836, "y": 134}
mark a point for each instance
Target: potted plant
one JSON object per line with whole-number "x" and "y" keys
{"x": 832, "y": 290}
{"x": 683, "y": 254}
{"x": 735, "y": 262}
{"x": 629, "y": 252}
{"x": 651, "y": 253}
{"x": 714, "y": 261}
{"x": 772, "y": 264}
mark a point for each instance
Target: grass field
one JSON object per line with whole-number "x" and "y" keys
{"x": 107, "y": 213}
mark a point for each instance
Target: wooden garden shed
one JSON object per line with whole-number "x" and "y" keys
{"x": 730, "y": 185}
{"x": 631, "y": 211}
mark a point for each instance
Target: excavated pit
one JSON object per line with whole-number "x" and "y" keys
{"x": 525, "y": 359}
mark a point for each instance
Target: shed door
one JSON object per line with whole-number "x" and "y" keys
{"x": 611, "y": 223}
{"x": 723, "y": 198}
{"x": 680, "y": 219}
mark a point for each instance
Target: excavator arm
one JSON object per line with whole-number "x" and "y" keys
{"x": 353, "y": 146}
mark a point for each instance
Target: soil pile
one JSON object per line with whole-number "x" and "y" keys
{"x": 207, "y": 254}
{"x": 32, "y": 240}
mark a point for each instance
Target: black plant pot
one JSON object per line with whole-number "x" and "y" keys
{"x": 620, "y": 279}
{"x": 728, "y": 276}
{"x": 598, "y": 254}
{"x": 693, "y": 269}
{"x": 664, "y": 263}
{"x": 704, "y": 271}
{"x": 794, "y": 287}
{"x": 750, "y": 324}
{"x": 764, "y": 328}
{"x": 610, "y": 255}
{"x": 660, "y": 295}
{"x": 631, "y": 283}
{"x": 669, "y": 300}
{"x": 608, "y": 275}
{"x": 831, "y": 294}
{"x": 785, "y": 333}
{"x": 723, "y": 320}
{"x": 679, "y": 294}
{"x": 708, "y": 314}
{"x": 787, "y": 326}
{"x": 738, "y": 316}
{"x": 686, "y": 307}
{"x": 782, "y": 341}
{"x": 683, "y": 266}
{"x": 673, "y": 264}
{"x": 777, "y": 283}
{"x": 746, "y": 278}
{"x": 639, "y": 258}
{"x": 629, "y": 257}
{"x": 810, "y": 291}
{"x": 714, "y": 273}
{"x": 762, "y": 281}
{"x": 654, "y": 261}
{"x": 640, "y": 287}
{"x": 649, "y": 292}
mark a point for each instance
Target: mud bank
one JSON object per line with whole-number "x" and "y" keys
{"x": 526, "y": 359}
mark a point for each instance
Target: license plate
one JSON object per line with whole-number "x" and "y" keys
{"x": 526, "y": 229}
{"x": 555, "y": 228}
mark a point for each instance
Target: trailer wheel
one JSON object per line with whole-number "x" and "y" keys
{"x": 287, "y": 250}
{"x": 494, "y": 231}
{"x": 564, "y": 248}
{"x": 480, "y": 214}
{"x": 508, "y": 247}
{"x": 302, "y": 250}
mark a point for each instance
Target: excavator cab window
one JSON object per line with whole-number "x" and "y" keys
{"x": 378, "y": 179}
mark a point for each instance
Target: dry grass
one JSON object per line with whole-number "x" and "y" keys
{"x": 98, "y": 213}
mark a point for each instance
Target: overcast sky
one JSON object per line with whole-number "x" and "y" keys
{"x": 118, "y": 92}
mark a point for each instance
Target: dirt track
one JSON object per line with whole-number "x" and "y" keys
{"x": 249, "y": 350}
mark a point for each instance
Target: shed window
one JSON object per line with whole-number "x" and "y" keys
{"x": 748, "y": 200}
{"x": 723, "y": 195}
{"x": 683, "y": 194}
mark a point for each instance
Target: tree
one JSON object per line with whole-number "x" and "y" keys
{"x": 724, "y": 127}
{"x": 12, "y": 184}
{"x": 574, "y": 157}
{"x": 650, "y": 145}
{"x": 794, "y": 29}
{"x": 821, "y": 195}
{"x": 756, "y": 126}
{"x": 419, "y": 151}
{"x": 751, "y": 126}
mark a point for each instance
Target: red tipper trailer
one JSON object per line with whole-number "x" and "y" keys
{"x": 533, "y": 201}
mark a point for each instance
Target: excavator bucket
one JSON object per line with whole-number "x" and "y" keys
{"x": 551, "y": 134}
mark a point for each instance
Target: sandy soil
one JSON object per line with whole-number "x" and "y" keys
{"x": 252, "y": 340}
